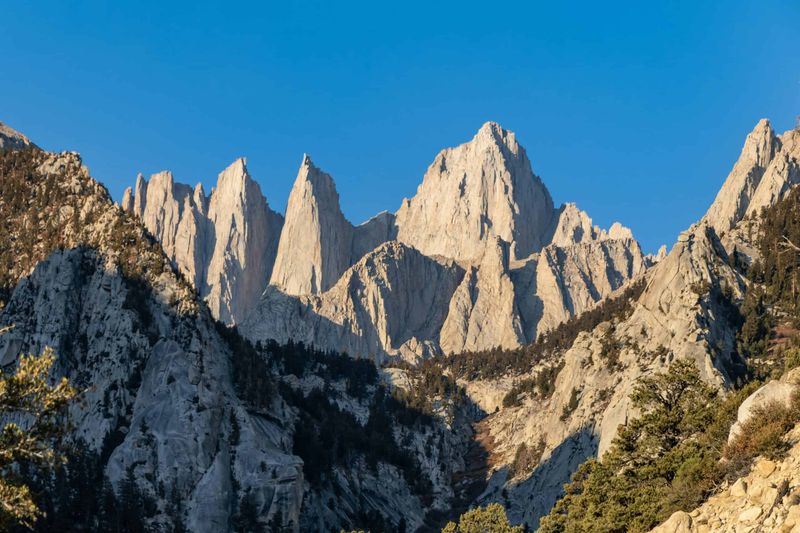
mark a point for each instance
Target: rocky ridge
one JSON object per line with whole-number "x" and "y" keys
{"x": 480, "y": 208}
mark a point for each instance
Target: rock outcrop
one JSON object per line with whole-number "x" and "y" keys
{"x": 392, "y": 302}
{"x": 766, "y": 500}
{"x": 782, "y": 392}
{"x": 225, "y": 244}
{"x": 483, "y": 311}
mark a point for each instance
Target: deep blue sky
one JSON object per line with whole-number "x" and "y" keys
{"x": 635, "y": 111}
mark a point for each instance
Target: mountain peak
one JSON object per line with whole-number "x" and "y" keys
{"x": 493, "y": 133}
{"x": 481, "y": 188}
{"x": 757, "y": 179}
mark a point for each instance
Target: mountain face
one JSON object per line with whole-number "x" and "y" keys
{"x": 207, "y": 431}
{"x": 225, "y": 244}
{"x": 687, "y": 309}
{"x": 479, "y": 207}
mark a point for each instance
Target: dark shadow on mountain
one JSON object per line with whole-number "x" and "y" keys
{"x": 529, "y": 499}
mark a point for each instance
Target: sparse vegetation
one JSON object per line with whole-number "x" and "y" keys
{"x": 542, "y": 385}
{"x": 764, "y": 433}
{"x": 526, "y": 458}
{"x": 572, "y": 404}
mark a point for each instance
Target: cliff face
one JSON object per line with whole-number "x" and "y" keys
{"x": 316, "y": 241}
{"x": 156, "y": 377}
{"x": 478, "y": 190}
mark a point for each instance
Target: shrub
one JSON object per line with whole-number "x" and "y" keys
{"x": 526, "y": 458}
{"x": 572, "y": 404}
{"x": 661, "y": 462}
{"x": 762, "y": 434}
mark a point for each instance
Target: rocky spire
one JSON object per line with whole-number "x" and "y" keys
{"x": 573, "y": 226}
{"x": 246, "y": 233}
{"x": 481, "y": 188}
{"x": 315, "y": 245}
{"x": 127, "y": 200}
{"x": 734, "y": 197}
{"x": 140, "y": 195}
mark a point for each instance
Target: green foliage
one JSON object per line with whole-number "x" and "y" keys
{"x": 252, "y": 375}
{"x": 78, "y": 497}
{"x": 663, "y": 461}
{"x": 775, "y": 288}
{"x": 326, "y": 437}
{"x": 27, "y": 396}
{"x": 432, "y": 392}
{"x": 489, "y": 519}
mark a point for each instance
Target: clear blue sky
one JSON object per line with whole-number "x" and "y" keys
{"x": 635, "y": 111}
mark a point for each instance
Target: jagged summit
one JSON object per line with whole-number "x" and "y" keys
{"x": 469, "y": 192}
{"x": 224, "y": 243}
{"x": 12, "y": 139}
{"x": 494, "y": 133}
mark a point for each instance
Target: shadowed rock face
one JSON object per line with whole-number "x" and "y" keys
{"x": 157, "y": 393}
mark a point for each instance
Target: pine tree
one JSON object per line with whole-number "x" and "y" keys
{"x": 28, "y": 395}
